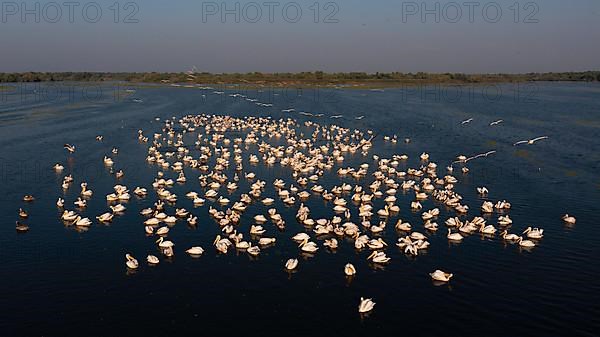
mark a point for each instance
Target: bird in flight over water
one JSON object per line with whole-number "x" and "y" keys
{"x": 70, "y": 148}
{"x": 531, "y": 141}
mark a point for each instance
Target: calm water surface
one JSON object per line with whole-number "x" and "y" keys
{"x": 60, "y": 282}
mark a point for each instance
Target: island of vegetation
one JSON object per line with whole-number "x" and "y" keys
{"x": 317, "y": 78}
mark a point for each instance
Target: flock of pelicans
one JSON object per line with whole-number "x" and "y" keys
{"x": 226, "y": 149}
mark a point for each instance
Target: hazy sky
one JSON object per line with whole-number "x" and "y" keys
{"x": 349, "y": 35}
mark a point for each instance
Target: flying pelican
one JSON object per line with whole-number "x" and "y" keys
{"x": 466, "y": 121}
{"x": 69, "y": 147}
{"x": 465, "y": 160}
{"x": 496, "y": 122}
{"x": 531, "y": 141}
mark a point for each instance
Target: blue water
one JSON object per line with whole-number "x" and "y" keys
{"x": 57, "y": 281}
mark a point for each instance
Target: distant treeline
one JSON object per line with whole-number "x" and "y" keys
{"x": 306, "y": 78}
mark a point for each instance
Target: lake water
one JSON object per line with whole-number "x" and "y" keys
{"x": 57, "y": 281}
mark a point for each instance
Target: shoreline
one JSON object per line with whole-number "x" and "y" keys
{"x": 375, "y": 86}
{"x": 353, "y": 80}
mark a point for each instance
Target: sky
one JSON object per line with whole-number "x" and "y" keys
{"x": 291, "y": 36}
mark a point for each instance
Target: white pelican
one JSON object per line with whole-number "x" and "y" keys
{"x": 366, "y": 305}
{"x": 162, "y": 230}
{"x": 131, "y": 262}
{"x": 170, "y": 220}
{"x": 331, "y": 243}
{"x": 195, "y": 250}
{"x": 525, "y": 243}
{"x": 266, "y": 241}
{"x": 256, "y": 229}
{"x": 504, "y": 220}
{"x": 454, "y": 236}
{"x": 268, "y": 201}
{"x": 300, "y": 237}
{"x": 308, "y": 246}
{"x": 291, "y": 264}
{"x": 84, "y": 191}
{"x": 253, "y": 250}
{"x": 534, "y": 233}
{"x": 162, "y": 243}
{"x": 441, "y": 276}
{"x": 260, "y": 218}
{"x": 152, "y": 222}
{"x": 510, "y": 237}
{"x": 106, "y": 217}
{"x": 243, "y": 245}
{"x": 82, "y": 222}
{"x": 152, "y": 259}
{"x": 489, "y": 229}
{"x": 198, "y": 201}
{"x": 80, "y": 203}
{"x": 21, "y": 227}
{"x": 376, "y": 244}
{"x": 530, "y": 141}
{"x": 349, "y": 269}
{"x": 403, "y": 226}
{"x": 119, "y": 208}
{"x": 70, "y": 148}
{"x": 22, "y": 213}
{"x": 378, "y": 257}
{"x": 569, "y": 219}
{"x": 417, "y": 236}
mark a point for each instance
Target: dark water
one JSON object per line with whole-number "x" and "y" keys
{"x": 58, "y": 282}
